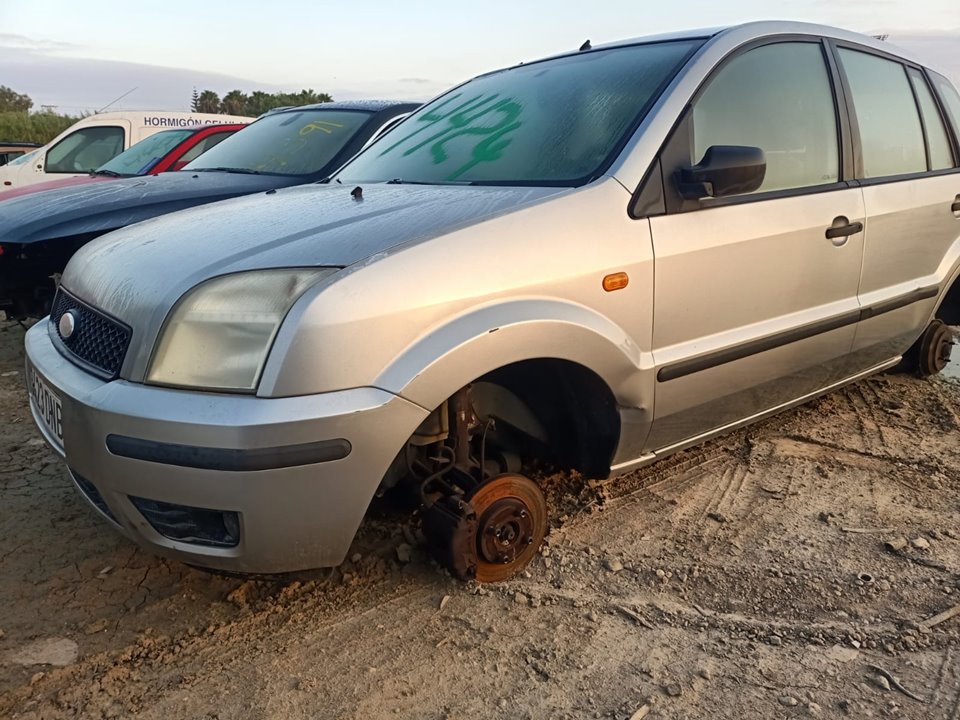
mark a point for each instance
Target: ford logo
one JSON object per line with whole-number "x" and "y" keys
{"x": 67, "y": 324}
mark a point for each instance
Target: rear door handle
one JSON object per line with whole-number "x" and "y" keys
{"x": 956, "y": 205}
{"x": 843, "y": 228}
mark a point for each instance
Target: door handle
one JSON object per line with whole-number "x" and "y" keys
{"x": 843, "y": 228}
{"x": 956, "y": 206}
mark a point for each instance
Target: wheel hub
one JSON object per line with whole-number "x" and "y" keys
{"x": 504, "y": 530}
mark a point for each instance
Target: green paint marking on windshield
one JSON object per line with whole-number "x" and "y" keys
{"x": 461, "y": 121}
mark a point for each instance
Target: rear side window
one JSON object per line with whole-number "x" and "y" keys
{"x": 778, "y": 98}
{"x": 941, "y": 156}
{"x": 890, "y": 132}
{"x": 85, "y": 150}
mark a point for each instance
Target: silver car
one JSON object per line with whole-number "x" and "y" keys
{"x": 589, "y": 261}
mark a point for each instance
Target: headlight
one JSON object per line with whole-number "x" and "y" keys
{"x": 219, "y": 333}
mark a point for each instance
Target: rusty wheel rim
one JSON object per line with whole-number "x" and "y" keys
{"x": 511, "y": 523}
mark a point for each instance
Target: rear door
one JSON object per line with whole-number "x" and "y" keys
{"x": 755, "y": 305}
{"x": 907, "y": 162}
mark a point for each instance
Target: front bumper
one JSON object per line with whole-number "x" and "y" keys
{"x": 298, "y": 473}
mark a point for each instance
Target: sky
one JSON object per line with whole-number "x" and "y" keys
{"x": 82, "y": 55}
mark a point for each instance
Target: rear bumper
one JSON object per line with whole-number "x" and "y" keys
{"x": 296, "y": 474}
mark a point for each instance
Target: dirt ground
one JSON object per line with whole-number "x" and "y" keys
{"x": 748, "y": 578}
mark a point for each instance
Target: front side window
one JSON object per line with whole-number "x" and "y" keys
{"x": 201, "y": 147}
{"x": 555, "y": 122}
{"x": 941, "y": 157}
{"x": 85, "y": 150}
{"x": 140, "y": 158}
{"x": 777, "y": 98}
{"x": 300, "y": 142}
{"x": 890, "y": 131}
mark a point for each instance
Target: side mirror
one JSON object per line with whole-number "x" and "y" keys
{"x": 724, "y": 170}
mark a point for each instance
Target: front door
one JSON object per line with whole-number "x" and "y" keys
{"x": 755, "y": 301}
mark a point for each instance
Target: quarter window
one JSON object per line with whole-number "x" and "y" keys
{"x": 951, "y": 99}
{"x": 85, "y": 150}
{"x": 778, "y": 98}
{"x": 941, "y": 156}
{"x": 890, "y": 132}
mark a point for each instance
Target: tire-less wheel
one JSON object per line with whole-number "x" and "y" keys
{"x": 491, "y": 534}
{"x": 511, "y": 524}
{"x": 931, "y": 353}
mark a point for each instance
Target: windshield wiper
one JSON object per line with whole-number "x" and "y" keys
{"x": 108, "y": 173}
{"x": 242, "y": 171}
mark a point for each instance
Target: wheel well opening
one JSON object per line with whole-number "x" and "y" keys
{"x": 949, "y": 310}
{"x": 573, "y": 406}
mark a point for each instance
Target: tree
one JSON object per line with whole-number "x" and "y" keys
{"x": 234, "y": 103}
{"x": 12, "y": 101}
{"x": 195, "y": 101}
{"x": 208, "y": 102}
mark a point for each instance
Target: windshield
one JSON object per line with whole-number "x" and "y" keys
{"x": 287, "y": 143}
{"x": 556, "y": 122}
{"x": 140, "y": 158}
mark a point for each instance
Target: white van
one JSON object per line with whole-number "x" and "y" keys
{"x": 88, "y": 144}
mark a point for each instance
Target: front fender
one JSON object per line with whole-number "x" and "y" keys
{"x": 486, "y": 338}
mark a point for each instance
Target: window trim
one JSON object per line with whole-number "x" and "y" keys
{"x": 675, "y": 204}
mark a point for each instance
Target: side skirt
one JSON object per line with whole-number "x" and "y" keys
{"x": 652, "y": 457}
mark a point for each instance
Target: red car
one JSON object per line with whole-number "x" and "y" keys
{"x": 161, "y": 152}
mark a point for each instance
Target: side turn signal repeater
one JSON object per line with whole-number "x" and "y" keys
{"x": 615, "y": 281}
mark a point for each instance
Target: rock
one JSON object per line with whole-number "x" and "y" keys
{"x": 641, "y": 712}
{"x": 920, "y": 543}
{"x": 36, "y": 677}
{"x": 787, "y": 700}
{"x": 520, "y": 599}
{"x": 842, "y": 654}
{"x": 443, "y": 601}
{"x": 592, "y": 616}
{"x": 355, "y": 558}
{"x": 814, "y": 709}
{"x": 855, "y": 643}
{"x": 896, "y": 544}
{"x": 718, "y": 517}
{"x": 881, "y": 682}
{"x": 673, "y": 690}
{"x": 705, "y": 673}
{"x": 775, "y": 640}
{"x": 106, "y": 571}
{"x": 404, "y": 552}
{"x": 47, "y": 651}
{"x": 613, "y": 565}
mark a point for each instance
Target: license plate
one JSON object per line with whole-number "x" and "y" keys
{"x": 47, "y": 404}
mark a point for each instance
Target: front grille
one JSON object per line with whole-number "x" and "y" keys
{"x": 98, "y": 341}
{"x": 198, "y": 526}
{"x": 90, "y": 491}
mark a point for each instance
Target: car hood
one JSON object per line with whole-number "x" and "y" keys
{"x": 137, "y": 274}
{"x": 104, "y": 206}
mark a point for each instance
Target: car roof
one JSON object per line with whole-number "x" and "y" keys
{"x": 746, "y": 32}
{"x": 193, "y": 129}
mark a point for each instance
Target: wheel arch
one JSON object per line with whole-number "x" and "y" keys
{"x": 565, "y": 359}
